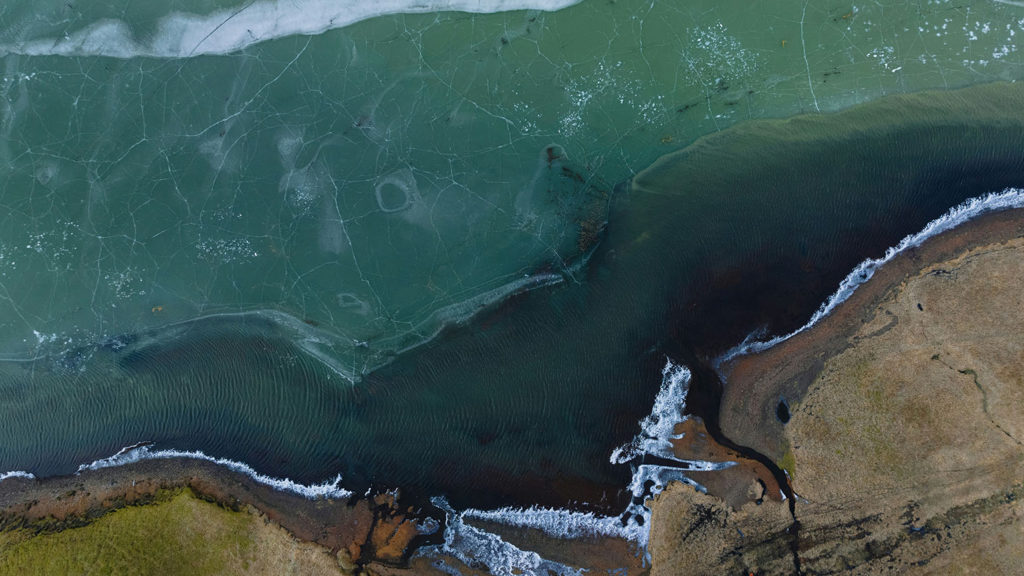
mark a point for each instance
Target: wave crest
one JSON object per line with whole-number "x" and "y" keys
{"x": 140, "y": 452}
{"x": 1008, "y": 199}
{"x": 16, "y": 474}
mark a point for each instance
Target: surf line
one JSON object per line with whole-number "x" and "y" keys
{"x": 143, "y": 451}
{"x": 17, "y": 474}
{"x": 474, "y": 545}
{"x": 657, "y": 430}
{"x": 970, "y": 209}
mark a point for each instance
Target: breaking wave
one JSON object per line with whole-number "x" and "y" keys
{"x": 477, "y": 547}
{"x": 183, "y": 35}
{"x": 658, "y": 429}
{"x": 557, "y": 523}
{"x": 968, "y": 210}
{"x": 16, "y": 474}
{"x": 140, "y": 452}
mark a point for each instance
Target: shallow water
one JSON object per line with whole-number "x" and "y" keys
{"x": 753, "y": 227}
{"x": 448, "y": 251}
{"x": 384, "y": 178}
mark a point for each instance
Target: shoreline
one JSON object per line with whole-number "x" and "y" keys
{"x": 749, "y": 417}
{"x": 896, "y": 420}
{"x": 336, "y": 519}
{"x": 348, "y": 525}
{"x": 971, "y": 209}
{"x": 379, "y": 531}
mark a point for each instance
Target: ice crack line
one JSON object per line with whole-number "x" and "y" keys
{"x": 803, "y": 45}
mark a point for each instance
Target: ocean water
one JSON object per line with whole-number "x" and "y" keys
{"x": 449, "y": 251}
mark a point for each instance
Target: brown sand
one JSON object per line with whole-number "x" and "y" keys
{"x": 904, "y": 445}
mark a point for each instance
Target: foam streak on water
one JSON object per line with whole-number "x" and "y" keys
{"x": 655, "y": 439}
{"x": 968, "y": 210}
{"x": 649, "y": 480}
{"x": 138, "y": 453}
{"x": 182, "y": 35}
{"x": 559, "y": 523}
{"x": 658, "y": 428}
{"x": 657, "y": 431}
{"x": 478, "y": 548}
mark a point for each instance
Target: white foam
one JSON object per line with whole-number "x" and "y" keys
{"x": 479, "y": 548}
{"x": 968, "y": 210}
{"x": 139, "y": 453}
{"x": 649, "y": 480}
{"x": 658, "y": 429}
{"x": 475, "y": 546}
{"x": 655, "y": 439}
{"x": 182, "y": 35}
{"x": 556, "y": 522}
{"x": 16, "y": 474}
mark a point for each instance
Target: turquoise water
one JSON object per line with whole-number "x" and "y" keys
{"x": 436, "y": 250}
{"x": 524, "y": 403}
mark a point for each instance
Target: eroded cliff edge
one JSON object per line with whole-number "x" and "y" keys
{"x": 898, "y": 419}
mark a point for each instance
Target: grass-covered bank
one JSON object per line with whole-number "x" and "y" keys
{"x": 177, "y": 533}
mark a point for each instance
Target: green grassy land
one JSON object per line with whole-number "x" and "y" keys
{"x": 179, "y": 534}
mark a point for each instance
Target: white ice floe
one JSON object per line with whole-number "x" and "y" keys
{"x": 183, "y": 35}
{"x": 16, "y": 474}
{"x": 968, "y": 210}
{"x": 138, "y": 453}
